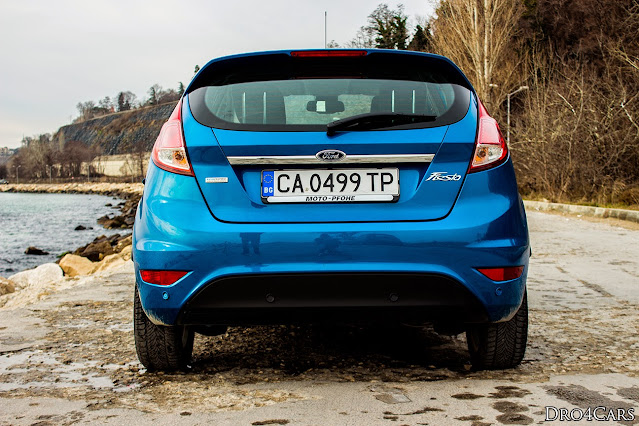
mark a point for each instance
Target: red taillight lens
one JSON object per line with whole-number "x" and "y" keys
{"x": 490, "y": 147}
{"x": 162, "y": 277}
{"x": 169, "y": 151}
{"x": 327, "y": 53}
{"x": 502, "y": 274}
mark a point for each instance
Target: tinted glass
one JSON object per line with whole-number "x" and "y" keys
{"x": 284, "y": 93}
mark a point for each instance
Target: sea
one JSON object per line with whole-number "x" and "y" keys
{"x": 48, "y": 222}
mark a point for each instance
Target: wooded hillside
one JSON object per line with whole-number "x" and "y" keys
{"x": 571, "y": 68}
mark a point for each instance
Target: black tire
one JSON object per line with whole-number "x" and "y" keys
{"x": 500, "y": 345}
{"x": 160, "y": 347}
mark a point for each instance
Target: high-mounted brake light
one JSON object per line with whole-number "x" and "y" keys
{"x": 327, "y": 53}
{"x": 169, "y": 151}
{"x": 490, "y": 146}
{"x": 162, "y": 277}
{"x": 502, "y": 274}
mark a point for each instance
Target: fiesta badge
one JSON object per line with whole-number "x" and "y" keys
{"x": 330, "y": 155}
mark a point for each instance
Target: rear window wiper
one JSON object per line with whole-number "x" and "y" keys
{"x": 376, "y": 121}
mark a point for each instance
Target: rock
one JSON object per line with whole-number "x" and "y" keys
{"x": 6, "y": 286}
{"x": 126, "y": 241}
{"x": 35, "y": 251}
{"x": 80, "y": 228}
{"x": 126, "y": 252}
{"x": 42, "y": 275}
{"x": 116, "y": 222}
{"x": 110, "y": 261}
{"x": 73, "y": 265}
{"x": 97, "y": 251}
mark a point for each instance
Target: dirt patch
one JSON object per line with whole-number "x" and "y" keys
{"x": 509, "y": 392}
{"x": 582, "y": 397}
{"x": 514, "y": 419}
{"x": 469, "y": 418}
{"x": 629, "y": 393}
{"x": 422, "y": 411}
{"x": 509, "y": 407}
{"x": 467, "y": 396}
{"x": 512, "y": 413}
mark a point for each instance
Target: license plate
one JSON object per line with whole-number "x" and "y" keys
{"x": 330, "y": 186}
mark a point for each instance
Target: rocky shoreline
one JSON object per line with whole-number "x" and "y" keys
{"x": 102, "y": 254}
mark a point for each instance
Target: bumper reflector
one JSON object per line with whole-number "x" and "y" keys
{"x": 502, "y": 274}
{"x": 162, "y": 277}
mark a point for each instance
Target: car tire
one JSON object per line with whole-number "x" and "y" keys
{"x": 500, "y": 345}
{"x": 164, "y": 348}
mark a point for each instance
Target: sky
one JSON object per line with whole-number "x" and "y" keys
{"x": 58, "y": 53}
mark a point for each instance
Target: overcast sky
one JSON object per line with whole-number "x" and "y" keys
{"x": 58, "y": 53}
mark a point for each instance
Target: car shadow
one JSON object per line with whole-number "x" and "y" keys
{"x": 331, "y": 352}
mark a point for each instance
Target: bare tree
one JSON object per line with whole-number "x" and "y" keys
{"x": 478, "y": 36}
{"x": 364, "y": 38}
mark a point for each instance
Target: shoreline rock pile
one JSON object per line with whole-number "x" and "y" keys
{"x": 102, "y": 254}
{"x": 126, "y": 219}
{"x": 103, "y": 246}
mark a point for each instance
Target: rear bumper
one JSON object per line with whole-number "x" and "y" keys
{"x": 286, "y": 298}
{"x": 322, "y": 269}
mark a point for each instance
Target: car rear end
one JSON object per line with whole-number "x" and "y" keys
{"x": 329, "y": 185}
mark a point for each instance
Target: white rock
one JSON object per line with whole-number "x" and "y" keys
{"x": 42, "y": 275}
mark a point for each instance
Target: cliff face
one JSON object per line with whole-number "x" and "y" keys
{"x": 120, "y": 133}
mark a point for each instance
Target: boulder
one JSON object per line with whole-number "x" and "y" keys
{"x": 6, "y": 286}
{"x": 42, "y": 275}
{"x": 80, "y": 228}
{"x": 126, "y": 252}
{"x": 35, "y": 251}
{"x": 73, "y": 265}
{"x": 126, "y": 241}
{"x": 97, "y": 251}
{"x": 110, "y": 261}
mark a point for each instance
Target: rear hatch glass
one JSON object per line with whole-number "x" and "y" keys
{"x": 284, "y": 93}
{"x": 266, "y": 117}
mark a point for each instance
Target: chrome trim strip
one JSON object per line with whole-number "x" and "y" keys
{"x": 349, "y": 159}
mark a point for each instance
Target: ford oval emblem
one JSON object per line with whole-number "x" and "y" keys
{"x": 330, "y": 155}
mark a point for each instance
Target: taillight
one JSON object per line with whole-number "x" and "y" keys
{"x": 162, "y": 277}
{"x": 327, "y": 53}
{"x": 169, "y": 151}
{"x": 502, "y": 274}
{"x": 490, "y": 147}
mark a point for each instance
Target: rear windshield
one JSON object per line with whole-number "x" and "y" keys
{"x": 277, "y": 92}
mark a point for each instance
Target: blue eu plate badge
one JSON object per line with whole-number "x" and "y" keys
{"x": 268, "y": 180}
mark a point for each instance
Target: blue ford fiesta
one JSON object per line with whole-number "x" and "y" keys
{"x": 330, "y": 185}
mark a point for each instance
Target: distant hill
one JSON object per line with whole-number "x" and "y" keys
{"x": 119, "y": 133}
